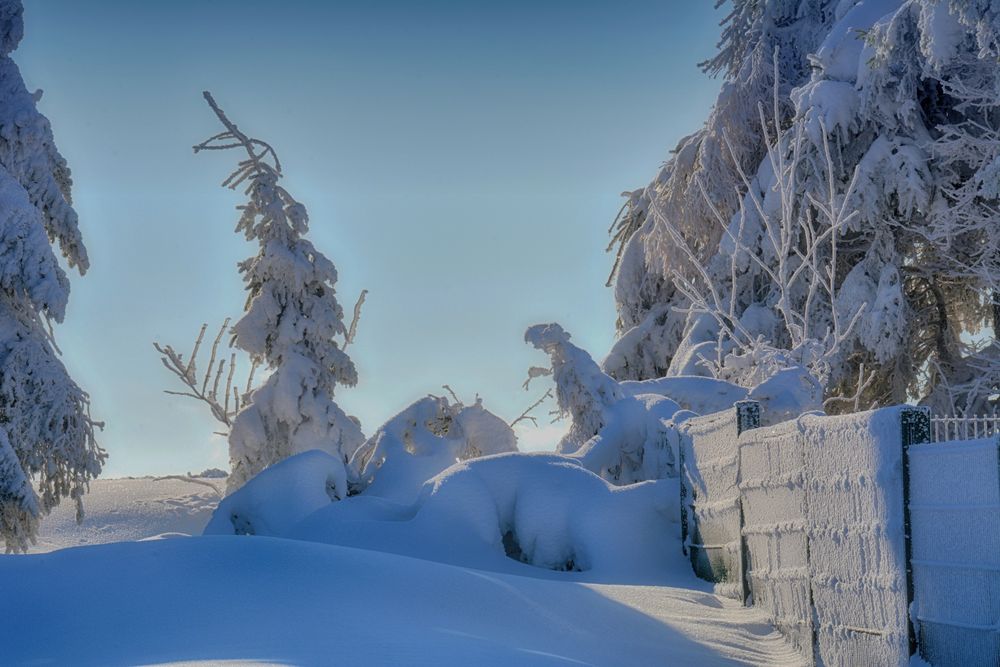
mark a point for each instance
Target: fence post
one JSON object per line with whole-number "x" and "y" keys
{"x": 915, "y": 429}
{"x": 747, "y": 417}
{"x": 682, "y": 474}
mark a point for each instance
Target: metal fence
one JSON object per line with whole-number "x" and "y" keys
{"x": 973, "y": 427}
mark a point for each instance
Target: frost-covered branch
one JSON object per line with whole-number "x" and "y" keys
{"x": 526, "y": 415}
{"x": 208, "y": 389}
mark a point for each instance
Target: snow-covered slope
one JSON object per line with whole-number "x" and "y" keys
{"x": 258, "y": 599}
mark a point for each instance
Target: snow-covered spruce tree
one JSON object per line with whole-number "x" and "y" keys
{"x": 47, "y": 446}
{"x": 650, "y": 326}
{"x": 902, "y": 104}
{"x": 291, "y": 321}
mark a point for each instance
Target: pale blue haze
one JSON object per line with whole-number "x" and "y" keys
{"x": 462, "y": 161}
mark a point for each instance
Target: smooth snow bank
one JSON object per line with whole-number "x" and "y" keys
{"x": 119, "y": 510}
{"x": 289, "y": 602}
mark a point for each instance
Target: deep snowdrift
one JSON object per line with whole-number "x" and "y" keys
{"x": 285, "y": 601}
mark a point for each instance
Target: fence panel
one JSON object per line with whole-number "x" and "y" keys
{"x": 955, "y": 510}
{"x": 710, "y": 497}
{"x": 772, "y": 484}
{"x": 857, "y": 544}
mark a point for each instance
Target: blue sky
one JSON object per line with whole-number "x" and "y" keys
{"x": 462, "y": 161}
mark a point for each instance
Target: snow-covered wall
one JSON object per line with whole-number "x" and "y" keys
{"x": 955, "y": 520}
{"x": 807, "y": 516}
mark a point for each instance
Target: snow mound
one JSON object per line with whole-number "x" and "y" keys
{"x": 281, "y": 495}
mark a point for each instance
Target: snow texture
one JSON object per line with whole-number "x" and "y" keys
{"x": 625, "y": 431}
{"x": 132, "y": 509}
{"x": 711, "y": 498}
{"x": 814, "y": 507}
{"x": 954, "y": 510}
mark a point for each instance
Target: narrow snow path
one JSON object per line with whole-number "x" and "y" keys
{"x": 211, "y": 599}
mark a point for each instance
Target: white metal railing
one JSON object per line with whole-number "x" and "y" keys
{"x": 973, "y": 427}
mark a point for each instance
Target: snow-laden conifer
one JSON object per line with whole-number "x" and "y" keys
{"x": 290, "y": 325}
{"x": 710, "y": 161}
{"x": 47, "y": 446}
{"x": 894, "y": 126}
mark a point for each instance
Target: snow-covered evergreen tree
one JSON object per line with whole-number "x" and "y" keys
{"x": 291, "y": 321}
{"x": 888, "y": 156}
{"x": 703, "y": 177}
{"x": 47, "y": 446}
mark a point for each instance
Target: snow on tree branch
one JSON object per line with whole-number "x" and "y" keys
{"x": 290, "y": 325}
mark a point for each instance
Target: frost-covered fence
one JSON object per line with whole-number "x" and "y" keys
{"x": 973, "y": 427}
{"x": 711, "y": 514}
{"x": 808, "y": 519}
{"x": 775, "y": 531}
{"x": 858, "y": 552}
{"x": 955, "y": 510}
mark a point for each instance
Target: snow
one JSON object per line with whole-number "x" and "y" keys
{"x": 423, "y": 440}
{"x": 507, "y": 513}
{"x": 824, "y": 517}
{"x": 120, "y": 510}
{"x": 265, "y": 600}
{"x": 697, "y": 394}
{"x": 282, "y": 601}
{"x": 284, "y": 493}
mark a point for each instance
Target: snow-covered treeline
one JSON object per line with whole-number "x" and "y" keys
{"x": 836, "y": 212}
{"x": 47, "y": 446}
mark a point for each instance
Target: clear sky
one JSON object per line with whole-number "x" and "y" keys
{"x": 462, "y": 161}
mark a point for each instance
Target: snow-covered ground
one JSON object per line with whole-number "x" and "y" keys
{"x": 119, "y": 510}
{"x": 259, "y": 599}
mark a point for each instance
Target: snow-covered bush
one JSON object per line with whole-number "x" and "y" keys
{"x": 421, "y": 441}
{"x": 292, "y": 318}
{"x": 47, "y": 446}
{"x": 495, "y": 513}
